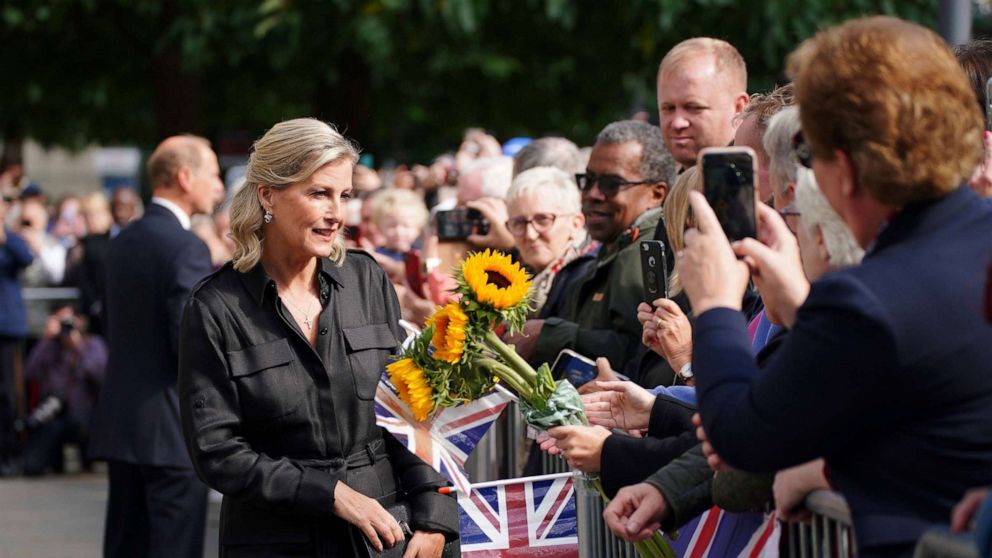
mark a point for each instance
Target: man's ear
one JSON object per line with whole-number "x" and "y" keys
{"x": 741, "y": 101}
{"x": 659, "y": 191}
{"x": 184, "y": 178}
{"x": 821, "y": 245}
{"x": 848, "y": 174}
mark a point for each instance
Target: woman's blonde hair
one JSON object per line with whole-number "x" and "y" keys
{"x": 676, "y": 214}
{"x": 288, "y": 153}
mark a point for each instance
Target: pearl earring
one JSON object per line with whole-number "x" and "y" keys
{"x": 267, "y": 217}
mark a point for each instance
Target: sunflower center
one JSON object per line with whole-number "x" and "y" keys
{"x": 498, "y": 279}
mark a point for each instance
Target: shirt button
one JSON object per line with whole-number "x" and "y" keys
{"x": 323, "y": 331}
{"x": 323, "y": 294}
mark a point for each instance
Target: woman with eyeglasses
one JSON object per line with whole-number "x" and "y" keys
{"x": 548, "y": 227}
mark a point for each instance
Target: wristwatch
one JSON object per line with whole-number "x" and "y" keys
{"x": 685, "y": 373}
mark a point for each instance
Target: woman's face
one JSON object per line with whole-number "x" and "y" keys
{"x": 538, "y": 249}
{"x": 307, "y": 216}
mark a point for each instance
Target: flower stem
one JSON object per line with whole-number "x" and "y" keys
{"x": 510, "y": 356}
{"x": 507, "y": 375}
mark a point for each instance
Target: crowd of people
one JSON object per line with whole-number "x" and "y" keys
{"x": 845, "y": 347}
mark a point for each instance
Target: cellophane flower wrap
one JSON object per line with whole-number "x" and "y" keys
{"x": 459, "y": 357}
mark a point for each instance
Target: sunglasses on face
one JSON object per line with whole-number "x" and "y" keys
{"x": 610, "y": 185}
{"x": 802, "y": 150}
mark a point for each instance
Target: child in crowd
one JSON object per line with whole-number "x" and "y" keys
{"x": 400, "y": 217}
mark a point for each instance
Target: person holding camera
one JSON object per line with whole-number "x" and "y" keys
{"x": 68, "y": 368}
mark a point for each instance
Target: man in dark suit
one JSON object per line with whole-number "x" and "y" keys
{"x": 157, "y": 505}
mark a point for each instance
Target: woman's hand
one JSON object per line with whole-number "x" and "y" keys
{"x": 623, "y": 405}
{"x": 425, "y": 544}
{"x": 582, "y": 446}
{"x": 775, "y": 267}
{"x": 666, "y": 331}
{"x": 368, "y": 515}
{"x": 963, "y": 514}
{"x": 636, "y": 512}
{"x": 710, "y": 272}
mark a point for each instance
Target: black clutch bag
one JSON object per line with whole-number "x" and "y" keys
{"x": 400, "y": 511}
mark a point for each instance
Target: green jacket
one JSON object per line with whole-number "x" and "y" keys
{"x": 601, "y": 311}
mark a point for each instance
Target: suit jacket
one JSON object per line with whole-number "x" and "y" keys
{"x": 275, "y": 423}
{"x": 14, "y": 256}
{"x": 885, "y": 373}
{"x": 151, "y": 268}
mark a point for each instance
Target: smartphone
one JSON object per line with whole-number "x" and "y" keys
{"x": 728, "y": 183}
{"x": 654, "y": 270}
{"x": 988, "y": 104}
{"x": 575, "y": 368}
{"x": 414, "y": 272}
{"x": 459, "y": 223}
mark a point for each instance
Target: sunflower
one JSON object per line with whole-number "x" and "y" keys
{"x": 412, "y": 386}
{"x": 495, "y": 279}
{"x": 449, "y": 332}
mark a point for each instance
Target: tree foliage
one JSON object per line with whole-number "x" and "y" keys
{"x": 402, "y": 76}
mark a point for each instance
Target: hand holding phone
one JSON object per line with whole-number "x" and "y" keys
{"x": 654, "y": 270}
{"x": 729, "y": 185}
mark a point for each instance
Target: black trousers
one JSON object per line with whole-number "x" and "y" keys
{"x": 154, "y": 512}
{"x": 10, "y": 361}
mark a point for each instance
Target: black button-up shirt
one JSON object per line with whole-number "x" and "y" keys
{"x": 271, "y": 420}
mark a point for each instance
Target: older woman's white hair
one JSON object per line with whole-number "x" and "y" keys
{"x": 815, "y": 211}
{"x": 547, "y": 181}
{"x": 782, "y": 128}
{"x": 288, "y": 153}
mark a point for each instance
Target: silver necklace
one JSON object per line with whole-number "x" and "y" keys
{"x": 306, "y": 314}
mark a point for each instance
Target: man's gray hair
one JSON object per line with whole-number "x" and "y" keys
{"x": 815, "y": 211}
{"x": 657, "y": 162}
{"x": 782, "y": 127}
{"x": 549, "y": 152}
{"x": 496, "y": 173}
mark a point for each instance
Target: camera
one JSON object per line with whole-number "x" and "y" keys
{"x": 67, "y": 325}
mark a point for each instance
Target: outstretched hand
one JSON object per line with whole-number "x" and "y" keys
{"x": 619, "y": 404}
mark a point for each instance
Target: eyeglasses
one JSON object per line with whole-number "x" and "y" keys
{"x": 790, "y": 211}
{"x": 541, "y": 222}
{"x": 609, "y": 184}
{"x": 802, "y": 150}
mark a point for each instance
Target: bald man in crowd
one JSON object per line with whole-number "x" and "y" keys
{"x": 702, "y": 87}
{"x": 157, "y": 505}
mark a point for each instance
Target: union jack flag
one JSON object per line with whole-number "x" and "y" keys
{"x": 720, "y": 533}
{"x": 447, "y": 438}
{"x": 531, "y": 518}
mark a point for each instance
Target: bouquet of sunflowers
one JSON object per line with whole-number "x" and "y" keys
{"x": 459, "y": 357}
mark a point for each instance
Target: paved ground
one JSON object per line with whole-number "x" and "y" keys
{"x": 62, "y": 517}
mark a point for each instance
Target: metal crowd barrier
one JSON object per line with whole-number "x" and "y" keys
{"x": 940, "y": 542}
{"x": 828, "y": 534}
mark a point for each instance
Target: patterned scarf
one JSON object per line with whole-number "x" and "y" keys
{"x": 543, "y": 281}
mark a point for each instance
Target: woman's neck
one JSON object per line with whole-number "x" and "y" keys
{"x": 290, "y": 272}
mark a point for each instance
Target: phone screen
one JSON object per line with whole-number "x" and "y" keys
{"x": 728, "y": 182}
{"x": 575, "y": 368}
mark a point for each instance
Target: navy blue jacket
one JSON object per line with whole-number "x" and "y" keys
{"x": 887, "y": 373}
{"x": 14, "y": 256}
{"x": 152, "y": 266}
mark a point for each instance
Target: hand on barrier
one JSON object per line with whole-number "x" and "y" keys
{"x": 425, "y": 544}
{"x": 775, "y": 266}
{"x": 636, "y": 512}
{"x": 618, "y": 404}
{"x": 368, "y": 515}
{"x": 666, "y": 331}
{"x": 791, "y": 487}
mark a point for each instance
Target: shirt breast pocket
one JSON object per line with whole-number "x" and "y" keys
{"x": 268, "y": 384}
{"x": 369, "y": 350}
